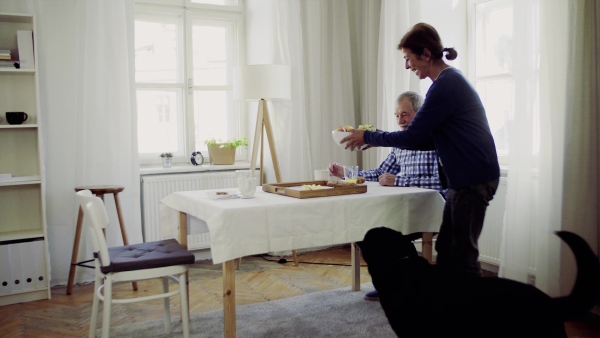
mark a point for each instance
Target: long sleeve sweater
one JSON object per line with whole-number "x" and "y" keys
{"x": 453, "y": 117}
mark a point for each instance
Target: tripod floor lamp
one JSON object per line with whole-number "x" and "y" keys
{"x": 262, "y": 83}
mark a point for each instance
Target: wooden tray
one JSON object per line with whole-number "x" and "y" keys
{"x": 291, "y": 189}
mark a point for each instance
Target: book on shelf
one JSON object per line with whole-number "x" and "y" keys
{"x": 25, "y": 45}
{"x": 5, "y": 54}
{"x": 10, "y": 64}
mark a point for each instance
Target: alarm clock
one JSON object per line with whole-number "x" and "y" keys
{"x": 197, "y": 158}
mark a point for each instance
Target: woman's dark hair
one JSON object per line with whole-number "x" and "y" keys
{"x": 423, "y": 36}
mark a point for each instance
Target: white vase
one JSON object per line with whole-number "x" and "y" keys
{"x": 166, "y": 162}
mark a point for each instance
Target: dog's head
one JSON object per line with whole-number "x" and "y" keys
{"x": 391, "y": 243}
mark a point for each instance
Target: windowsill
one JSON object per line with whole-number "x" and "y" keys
{"x": 188, "y": 168}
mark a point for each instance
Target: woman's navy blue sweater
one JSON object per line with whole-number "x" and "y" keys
{"x": 453, "y": 117}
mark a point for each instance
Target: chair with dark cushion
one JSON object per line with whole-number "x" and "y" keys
{"x": 160, "y": 259}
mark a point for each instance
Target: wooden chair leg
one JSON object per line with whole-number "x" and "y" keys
{"x": 75, "y": 252}
{"x": 295, "y": 257}
{"x": 95, "y": 306}
{"x": 107, "y": 307}
{"x": 185, "y": 306}
{"x": 123, "y": 231}
{"x": 166, "y": 305}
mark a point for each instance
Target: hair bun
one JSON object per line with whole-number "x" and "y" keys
{"x": 451, "y": 53}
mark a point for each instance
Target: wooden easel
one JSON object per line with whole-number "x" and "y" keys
{"x": 263, "y": 123}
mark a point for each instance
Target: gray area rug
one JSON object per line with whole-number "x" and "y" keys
{"x": 332, "y": 313}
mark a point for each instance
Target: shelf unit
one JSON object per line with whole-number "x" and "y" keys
{"x": 24, "y": 258}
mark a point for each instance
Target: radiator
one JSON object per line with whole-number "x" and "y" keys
{"x": 491, "y": 235}
{"x": 156, "y": 187}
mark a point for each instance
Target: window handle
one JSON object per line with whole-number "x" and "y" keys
{"x": 190, "y": 86}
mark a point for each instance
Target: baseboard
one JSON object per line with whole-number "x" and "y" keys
{"x": 490, "y": 267}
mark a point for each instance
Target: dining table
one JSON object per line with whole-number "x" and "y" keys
{"x": 271, "y": 222}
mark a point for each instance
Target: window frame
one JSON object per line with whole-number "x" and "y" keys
{"x": 190, "y": 13}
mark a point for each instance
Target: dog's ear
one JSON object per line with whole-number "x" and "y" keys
{"x": 414, "y": 236}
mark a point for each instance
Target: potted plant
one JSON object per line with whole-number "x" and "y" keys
{"x": 167, "y": 159}
{"x": 223, "y": 152}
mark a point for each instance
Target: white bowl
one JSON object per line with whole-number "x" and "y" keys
{"x": 339, "y": 135}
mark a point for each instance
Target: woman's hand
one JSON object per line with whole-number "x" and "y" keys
{"x": 355, "y": 139}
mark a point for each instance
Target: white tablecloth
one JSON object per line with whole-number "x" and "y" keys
{"x": 270, "y": 222}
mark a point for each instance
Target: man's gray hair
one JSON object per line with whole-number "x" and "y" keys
{"x": 415, "y": 99}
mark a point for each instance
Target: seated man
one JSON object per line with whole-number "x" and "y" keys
{"x": 402, "y": 167}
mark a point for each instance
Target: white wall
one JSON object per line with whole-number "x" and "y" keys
{"x": 449, "y": 18}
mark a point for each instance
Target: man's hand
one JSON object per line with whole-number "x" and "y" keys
{"x": 354, "y": 140}
{"x": 336, "y": 170}
{"x": 387, "y": 179}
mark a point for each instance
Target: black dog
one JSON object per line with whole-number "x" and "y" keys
{"x": 423, "y": 300}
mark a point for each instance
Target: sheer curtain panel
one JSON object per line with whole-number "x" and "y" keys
{"x": 553, "y": 169}
{"x": 87, "y": 94}
{"x": 318, "y": 40}
{"x": 581, "y": 202}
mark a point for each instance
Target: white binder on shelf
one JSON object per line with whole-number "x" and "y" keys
{"x": 17, "y": 267}
{"x": 38, "y": 265}
{"x": 25, "y": 46}
{"x": 6, "y": 279}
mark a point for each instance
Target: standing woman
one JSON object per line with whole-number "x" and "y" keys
{"x": 453, "y": 117}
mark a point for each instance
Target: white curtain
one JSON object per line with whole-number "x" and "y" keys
{"x": 318, "y": 39}
{"x": 581, "y": 202}
{"x": 553, "y": 75}
{"x": 522, "y": 198}
{"x": 397, "y": 17}
{"x": 87, "y": 101}
{"x": 564, "y": 80}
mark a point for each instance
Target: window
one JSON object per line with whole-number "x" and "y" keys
{"x": 183, "y": 71}
{"x": 491, "y": 39}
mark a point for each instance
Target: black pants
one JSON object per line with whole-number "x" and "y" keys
{"x": 464, "y": 212}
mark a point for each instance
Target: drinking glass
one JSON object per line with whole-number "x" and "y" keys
{"x": 351, "y": 173}
{"x": 246, "y": 183}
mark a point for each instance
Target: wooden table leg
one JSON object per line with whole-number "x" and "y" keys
{"x": 229, "y": 299}
{"x": 427, "y": 246}
{"x": 75, "y": 251}
{"x": 355, "y": 261}
{"x": 295, "y": 258}
{"x": 123, "y": 231}
{"x": 183, "y": 235}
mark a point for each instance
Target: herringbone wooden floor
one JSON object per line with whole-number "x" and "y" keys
{"x": 258, "y": 280}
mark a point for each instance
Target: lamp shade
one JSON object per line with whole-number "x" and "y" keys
{"x": 254, "y": 82}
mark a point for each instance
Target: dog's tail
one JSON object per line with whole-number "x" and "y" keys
{"x": 587, "y": 285}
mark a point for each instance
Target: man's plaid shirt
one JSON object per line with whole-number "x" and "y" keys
{"x": 412, "y": 168}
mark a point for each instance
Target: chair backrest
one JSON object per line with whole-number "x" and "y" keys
{"x": 93, "y": 208}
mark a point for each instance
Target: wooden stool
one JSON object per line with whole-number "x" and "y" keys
{"x": 98, "y": 190}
